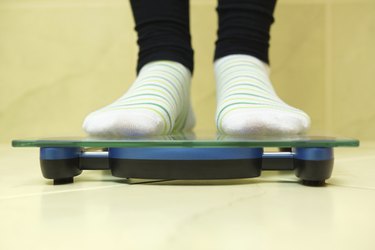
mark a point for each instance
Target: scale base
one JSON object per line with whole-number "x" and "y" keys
{"x": 312, "y": 165}
{"x": 189, "y": 156}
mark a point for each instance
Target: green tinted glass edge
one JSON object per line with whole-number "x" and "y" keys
{"x": 307, "y": 141}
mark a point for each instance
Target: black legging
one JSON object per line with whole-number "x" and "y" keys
{"x": 164, "y": 31}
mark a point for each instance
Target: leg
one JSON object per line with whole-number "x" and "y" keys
{"x": 247, "y": 102}
{"x": 163, "y": 29}
{"x": 158, "y": 101}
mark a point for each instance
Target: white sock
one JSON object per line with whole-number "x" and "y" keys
{"x": 158, "y": 102}
{"x": 247, "y": 103}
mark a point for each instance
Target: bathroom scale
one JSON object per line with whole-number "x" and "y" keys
{"x": 188, "y": 156}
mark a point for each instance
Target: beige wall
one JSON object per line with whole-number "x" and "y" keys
{"x": 60, "y": 59}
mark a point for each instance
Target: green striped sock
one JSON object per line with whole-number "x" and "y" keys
{"x": 247, "y": 103}
{"x": 158, "y": 102}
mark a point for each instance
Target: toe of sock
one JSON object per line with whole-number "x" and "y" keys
{"x": 266, "y": 122}
{"x": 123, "y": 123}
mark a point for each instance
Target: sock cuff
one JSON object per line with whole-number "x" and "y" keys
{"x": 236, "y": 57}
{"x": 185, "y": 71}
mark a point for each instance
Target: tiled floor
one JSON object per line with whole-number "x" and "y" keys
{"x": 272, "y": 212}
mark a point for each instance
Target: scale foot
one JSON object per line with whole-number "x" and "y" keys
{"x": 314, "y": 183}
{"x": 63, "y": 181}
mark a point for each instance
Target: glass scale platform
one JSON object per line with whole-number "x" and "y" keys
{"x": 188, "y": 156}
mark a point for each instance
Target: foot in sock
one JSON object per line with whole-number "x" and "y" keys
{"x": 158, "y": 102}
{"x": 247, "y": 103}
